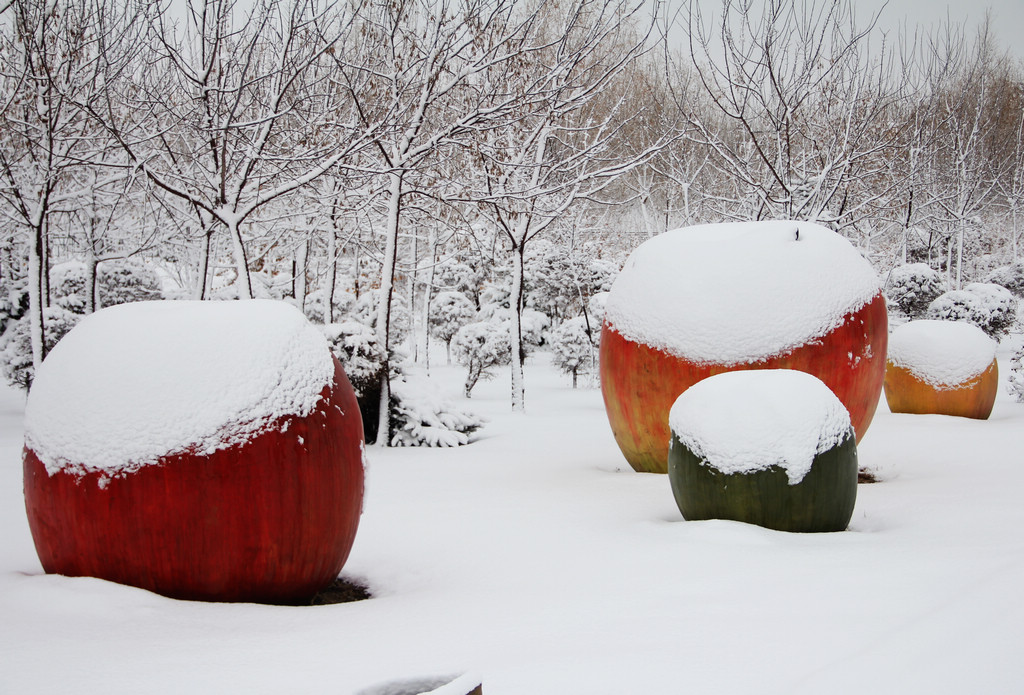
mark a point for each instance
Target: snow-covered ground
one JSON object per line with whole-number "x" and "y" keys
{"x": 536, "y": 559}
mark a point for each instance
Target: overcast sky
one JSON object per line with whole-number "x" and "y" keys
{"x": 1007, "y": 15}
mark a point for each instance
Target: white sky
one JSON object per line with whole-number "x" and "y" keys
{"x": 1007, "y": 15}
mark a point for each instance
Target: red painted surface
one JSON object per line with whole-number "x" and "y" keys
{"x": 905, "y": 393}
{"x": 640, "y": 383}
{"x": 270, "y": 520}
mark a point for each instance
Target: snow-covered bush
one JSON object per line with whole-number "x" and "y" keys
{"x": 355, "y": 345}
{"x": 13, "y": 303}
{"x": 572, "y": 349}
{"x": 999, "y": 307}
{"x": 418, "y": 416}
{"x": 1016, "y": 385}
{"x": 990, "y": 307}
{"x": 549, "y": 284}
{"x": 120, "y": 282}
{"x": 422, "y": 417}
{"x": 1011, "y": 277}
{"x": 534, "y": 325}
{"x": 913, "y": 287}
{"x": 449, "y": 311}
{"x": 480, "y": 346}
{"x": 596, "y": 307}
{"x": 69, "y": 286}
{"x": 364, "y": 310}
{"x": 316, "y": 303}
{"x": 16, "y": 347}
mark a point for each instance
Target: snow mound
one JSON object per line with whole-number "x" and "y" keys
{"x": 739, "y": 292}
{"x": 751, "y": 420}
{"x": 132, "y": 383}
{"x": 941, "y": 353}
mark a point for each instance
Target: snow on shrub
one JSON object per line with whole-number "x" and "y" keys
{"x": 534, "y": 325}
{"x": 418, "y": 417}
{"x": 364, "y": 310}
{"x": 449, "y": 312}
{"x": 16, "y": 347}
{"x": 596, "y": 306}
{"x": 999, "y": 307}
{"x": 480, "y": 346}
{"x": 120, "y": 282}
{"x": 1016, "y": 386}
{"x": 13, "y": 303}
{"x": 1011, "y": 277}
{"x": 69, "y": 286}
{"x": 424, "y": 418}
{"x": 990, "y": 307}
{"x": 573, "y": 351}
{"x": 913, "y": 287}
{"x": 356, "y": 347}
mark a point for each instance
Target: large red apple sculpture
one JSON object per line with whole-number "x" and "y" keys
{"x": 703, "y": 300}
{"x": 201, "y": 450}
{"x": 941, "y": 367}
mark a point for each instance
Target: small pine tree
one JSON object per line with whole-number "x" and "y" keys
{"x": 480, "y": 346}
{"x": 449, "y": 312}
{"x": 572, "y": 349}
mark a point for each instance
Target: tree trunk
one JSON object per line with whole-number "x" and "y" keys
{"x": 35, "y": 294}
{"x": 91, "y": 264}
{"x": 960, "y": 255}
{"x": 387, "y": 279}
{"x": 428, "y": 286}
{"x": 203, "y": 271}
{"x": 301, "y": 261}
{"x": 243, "y": 281}
{"x": 332, "y": 273}
{"x": 516, "y": 331}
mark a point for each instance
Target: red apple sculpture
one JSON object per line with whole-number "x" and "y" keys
{"x": 943, "y": 368}
{"x": 202, "y": 450}
{"x": 709, "y": 299}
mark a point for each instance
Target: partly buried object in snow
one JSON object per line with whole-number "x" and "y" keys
{"x": 768, "y": 447}
{"x": 703, "y": 300}
{"x": 201, "y": 450}
{"x": 941, "y": 367}
{"x": 465, "y": 684}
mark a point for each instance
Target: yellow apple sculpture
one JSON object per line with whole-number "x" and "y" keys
{"x": 941, "y": 367}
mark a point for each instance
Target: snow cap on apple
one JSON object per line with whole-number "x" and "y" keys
{"x": 741, "y": 292}
{"x": 136, "y": 382}
{"x": 751, "y": 420}
{"x": 943, "y": 354}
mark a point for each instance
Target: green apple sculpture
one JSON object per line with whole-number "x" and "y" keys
{"x": 768, "y": 447}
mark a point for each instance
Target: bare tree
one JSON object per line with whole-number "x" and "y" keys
{"x": 54, "y": 56}
{"x": 566, "y": 146}
{"x": 973, "y": 153}
{"x": 433, "y": 78}
{"x": 237, "y": 111}
{"x": 803, "y": 95}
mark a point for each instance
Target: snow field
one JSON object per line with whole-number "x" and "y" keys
{"x": 538, "y": 560}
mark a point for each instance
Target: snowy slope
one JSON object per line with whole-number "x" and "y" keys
{"x": 537, "y": 559}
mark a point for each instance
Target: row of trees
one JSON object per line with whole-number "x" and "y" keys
{"x": 363, "y": 156}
